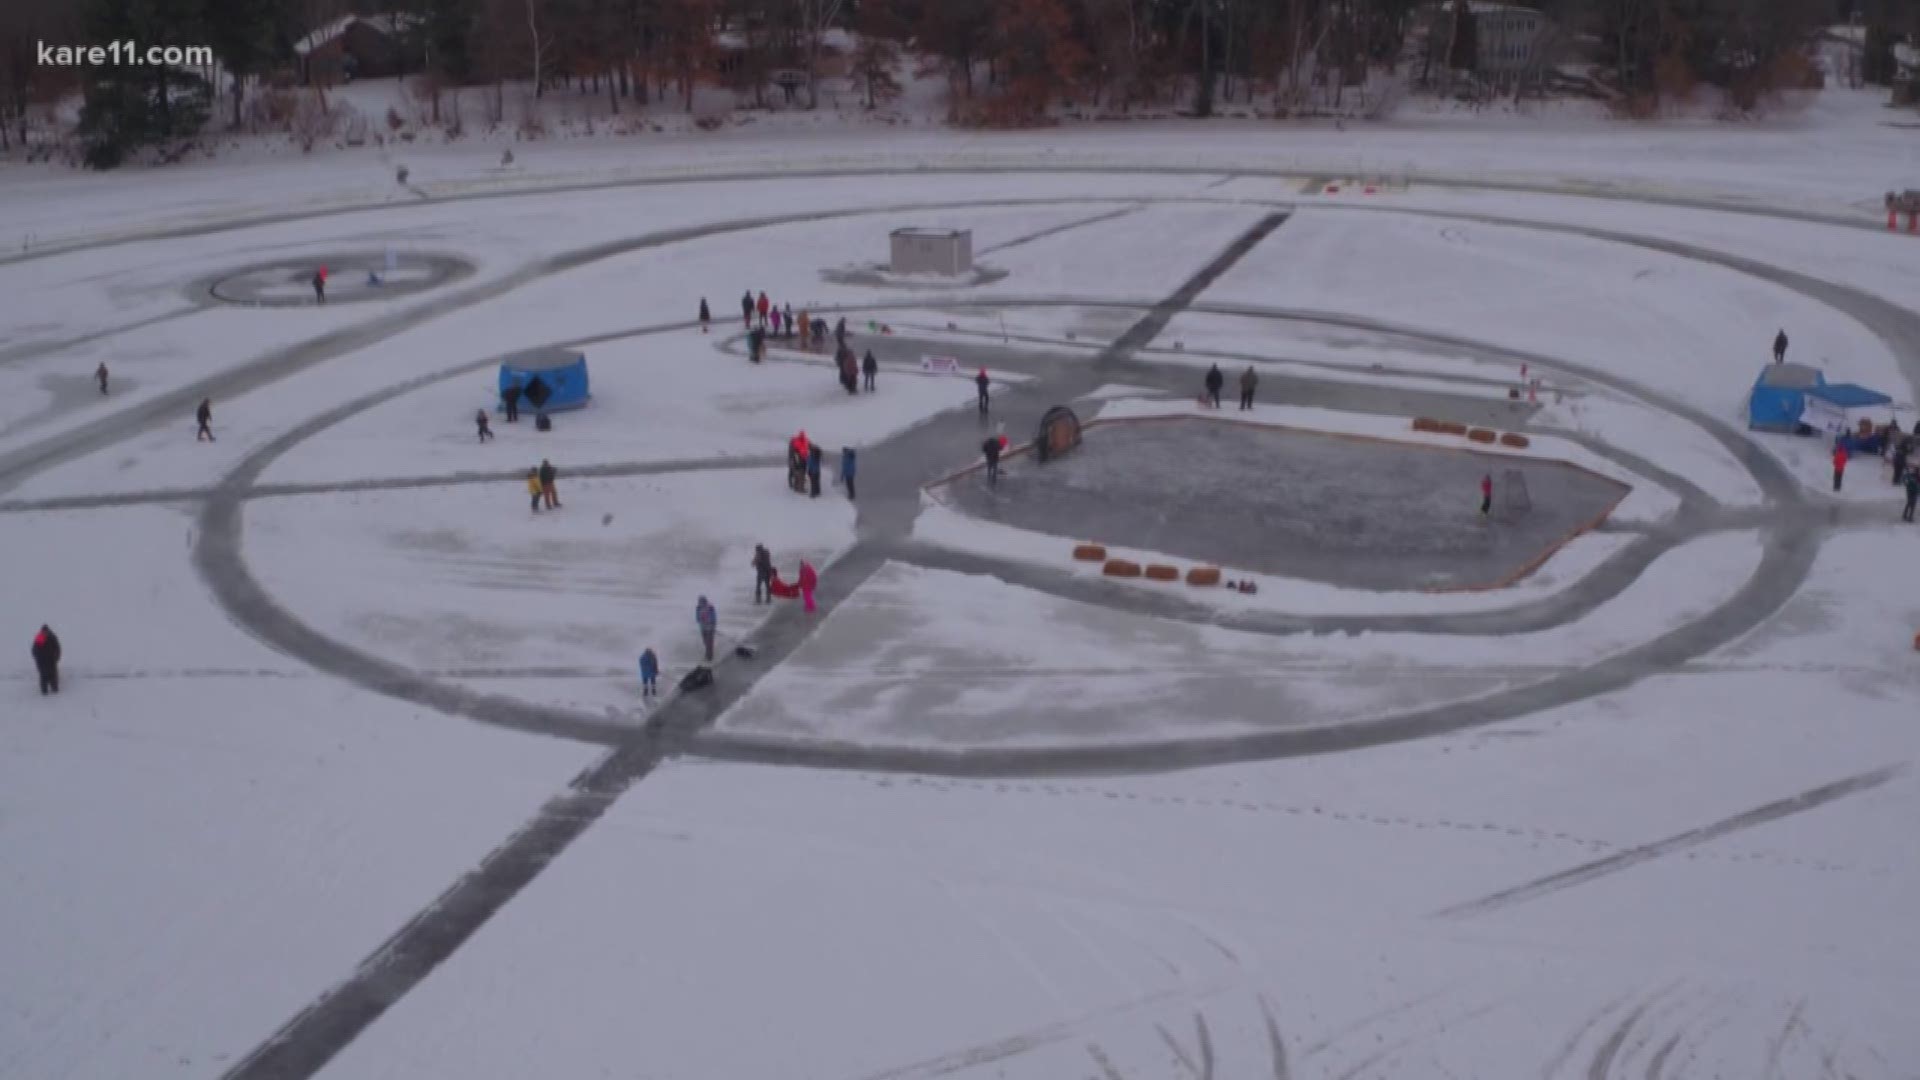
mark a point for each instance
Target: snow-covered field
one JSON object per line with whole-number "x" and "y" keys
{"x": 1661, "y": 830}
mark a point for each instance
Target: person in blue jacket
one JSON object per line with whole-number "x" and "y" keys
{"x": 649, "y": 674}
{"x": 846, "y": 470}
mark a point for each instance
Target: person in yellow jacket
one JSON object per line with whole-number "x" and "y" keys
{"x": 534, "y": 489}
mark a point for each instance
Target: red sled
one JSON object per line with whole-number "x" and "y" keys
{"x": 783, "y": 590}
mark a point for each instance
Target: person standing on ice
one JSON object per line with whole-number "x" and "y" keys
{"x": 510, "y": 401}
{"x": 534, "y": 489}
{"x": 871, "y": 369}
{"x": 480, "y": 421}
{"x": 548, "y": 474}
{"x": 709, "y": 622}
{"x": 847, "y": 470}
{"x": 815, "y": 457}
{"x": 1486, "y": 494}
{"x": 806, "y": 330}
{"x": 204, "y": 414}
{"x": 840, "y": 332}
{"x": 787, "y": 317}
{"x": 46, "y": 659}
{"x": 762, "y": 574}
{"x": 991, "y": 448}
{"x": 763, "y": 309}
{"x": 774, "y": 315}
{"x": 808, "y": 582}
{"x": 100, "y": 373}
{"x": 320, "y": 285}
{"x": 1901, "y": 452}
{"x": 1779, "y": 346}
{"x": 746, "y": 310}
{"x": 1913, "y": 494}
{"x": 705, "y": 315}
{"x": 1248, "y": 380}
{"x": 1839, "y": 463}
{"x": 649, "y": 674}
{"x": 981, "y": 383}
{"x": 1215, "y": 381}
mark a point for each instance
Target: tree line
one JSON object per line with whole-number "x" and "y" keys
{"x": 1008, "y": 61}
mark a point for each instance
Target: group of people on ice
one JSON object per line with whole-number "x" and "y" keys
{"x": 1249, "y": 380}
{"x": 804, "y": 460}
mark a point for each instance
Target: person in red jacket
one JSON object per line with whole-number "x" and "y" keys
{"x": 763, "y": 309}
{"x": 1839, "y": 464}
{"x": 46, "y": 659}
{"x": 808, "y": 581}
{"x": 1486, "y": 493}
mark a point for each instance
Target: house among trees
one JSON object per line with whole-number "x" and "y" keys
{"x": 360, "y": 47}
{"x": 1501, "y": 43}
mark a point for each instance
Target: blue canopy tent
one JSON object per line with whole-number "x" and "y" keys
{"x": 1780, "y": 396}
{"x": 549, "y": 380}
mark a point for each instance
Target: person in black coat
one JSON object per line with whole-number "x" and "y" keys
{"x": 1779, "y": 346}
{"x": 204, "y": 414}
{"x": 746, "y": 310}
{"x": 1215, "y": 381}
{"x": 46, "y": 659}
{"x": 991, "y": 448}
{"x": 870, "y": 368}
{"x": 510, "y": 400}
{"x": 480, "y": 421}
{"x": 762, "y": 574}
{"x": 815, "y": 456}
{"x": 705, "y": 315}
{"x": 981, "y": 383}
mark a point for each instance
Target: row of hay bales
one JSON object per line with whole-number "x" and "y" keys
{"x": 1200, "y": 576}
{"x": 1479, "y": 434}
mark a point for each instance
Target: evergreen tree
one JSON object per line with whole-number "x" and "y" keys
{"x": 241, "y": 34}
{"x": 132, "y": 106}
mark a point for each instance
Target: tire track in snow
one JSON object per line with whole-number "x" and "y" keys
{"x": 1625, "y": 860}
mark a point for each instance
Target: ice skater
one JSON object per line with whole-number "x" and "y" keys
{"x": 1779, "y": 346}
{"x": 534, "y": 489}
{"x": 100, "y": 374}
{"x": 982, "y": 383}
{"x": 204, "y": 414}
{"x": 480, "y": 422}
{"x": 870, "y": 368}
{"x": 649, "y": 674}
{"x": 1248, "y": 380}
{"x": 1215, "y": 381}
{"x": 1486, "y": 494}
{"x": 762, "y": 574}
{"x": 1839, "y": 463}
{"x": 705, "y": 315}
{"x": 708, "y": 620}
{"x": 46, "y": 657}
{"x": 846, "y": 470}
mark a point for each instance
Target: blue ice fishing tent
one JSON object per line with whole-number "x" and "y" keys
{"x": 1780, "y": 396}
{"x": 557, "y": 375}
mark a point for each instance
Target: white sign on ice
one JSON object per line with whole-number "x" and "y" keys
{"x": 940, "y": 365}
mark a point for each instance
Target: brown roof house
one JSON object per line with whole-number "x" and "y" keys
{"x": 360, "y": 47}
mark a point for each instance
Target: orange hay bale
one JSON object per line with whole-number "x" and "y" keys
{"x": 1421, "y": 423}
{"x": 1450, "y": 427}
{"x": 1204, "y": 575}
{"x": 1516, "y": 440}
{"x": 1090, "y": 553}
{"x": 1481, "y": 435}
{"x": 1121, "y": 568}
{"x": 1162, "y": 572}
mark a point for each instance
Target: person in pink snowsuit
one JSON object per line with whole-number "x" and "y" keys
{"x": 808, "y": 581}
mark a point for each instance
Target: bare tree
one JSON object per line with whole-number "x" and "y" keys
{"x": 815, "y": 17}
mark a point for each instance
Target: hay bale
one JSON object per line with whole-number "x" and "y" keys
{"x": 1515, "y": 440}
{"x": 1121, "y": 568}
{"x": 1162, "y": 572}
{"x": 1481, "y": 435}
{"x": 1421, "y": 423}
{"x": 1451, "y": 427}
{"x": 1204, "y": 575}
{"x": 1090, "y": 553}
